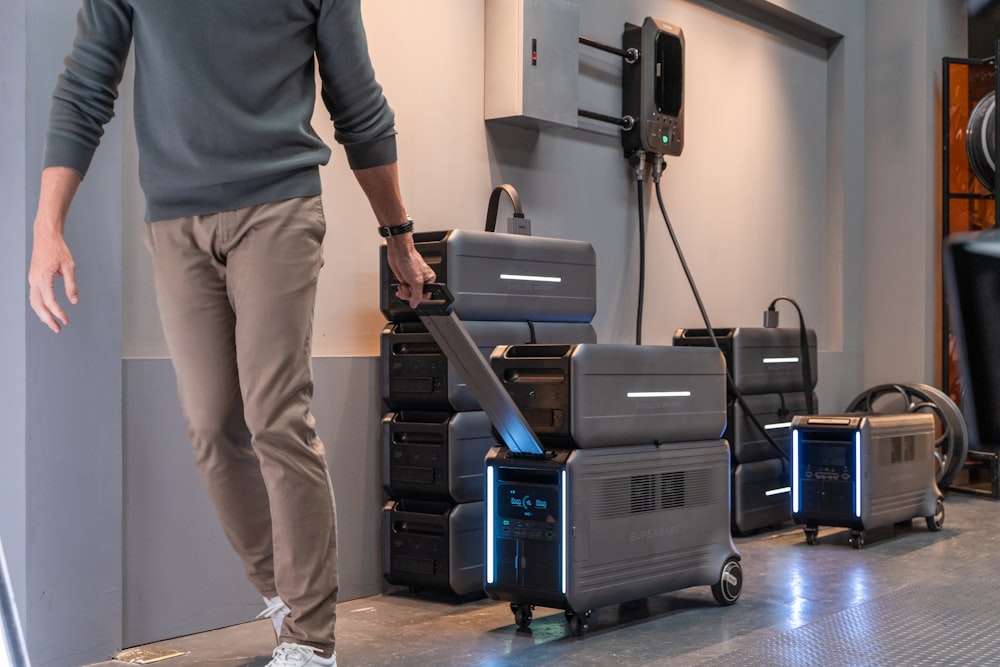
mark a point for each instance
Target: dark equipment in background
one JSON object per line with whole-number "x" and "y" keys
{"x": 972, "y": 280}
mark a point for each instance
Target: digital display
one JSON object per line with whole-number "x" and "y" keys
{"x": 833, "y": 457}
{"x": 528, "y": 502}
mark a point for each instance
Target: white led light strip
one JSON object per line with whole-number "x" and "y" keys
{"x": 857, "y": 474}
{"x": 771, "y": 427}
{"x": 781, "y": 360}
{"x": 795, "y": 471}
{"x": 778, "y": 492}
{"x": 531, "y": 279}
{"x": 658, "y": 394}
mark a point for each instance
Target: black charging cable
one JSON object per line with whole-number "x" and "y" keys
{"x": 494, "y": 205}
{"x": 771, "y": 322}
{"x": 658, "y": 165}
{"x": 638, "y": 162}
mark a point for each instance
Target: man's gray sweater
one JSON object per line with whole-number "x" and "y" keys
{"x": 224, "y": 95}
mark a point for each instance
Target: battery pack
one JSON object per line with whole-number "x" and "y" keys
{"x": 600, "y": 395}
{"x": 435, "y": 455}
{"x": 417, "y": 375}
{"x": 761, "y": 495}
{"x": 761, "y": 360}
{"x": 503, "y": 277}
{"x": 432, "y": 545}
{"x": 774, "y": 412}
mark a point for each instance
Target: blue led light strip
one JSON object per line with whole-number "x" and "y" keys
{"x": 490, "y": 537}
{"x": 564, "y": 519}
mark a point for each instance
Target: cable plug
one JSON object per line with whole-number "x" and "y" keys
{"x": 519, "y": 225}
{"x": 638, "y": 162}
{"x": 659, "y": 164}
{"x": 771, "y": 318}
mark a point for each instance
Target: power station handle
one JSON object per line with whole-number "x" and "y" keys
{"x": 439, "y": 302}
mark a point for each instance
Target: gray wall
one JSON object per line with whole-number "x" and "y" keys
{"x": 902, "y": 208}
{"x": 796, "y": 179}
{"x": 13, "y": 72}
{"x": 60, "y": 483}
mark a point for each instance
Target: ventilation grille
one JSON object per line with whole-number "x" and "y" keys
{"x": 903, "y": 448}
{"x": 637, "y": 494}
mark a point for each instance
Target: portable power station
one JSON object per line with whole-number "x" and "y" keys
{"x": 863, "y": 471}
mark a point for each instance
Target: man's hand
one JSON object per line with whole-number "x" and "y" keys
{"x": 50, "y": 257}
{"x": 410, "y": 269}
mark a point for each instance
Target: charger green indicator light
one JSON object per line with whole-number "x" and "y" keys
{"x": 666, "y": 139}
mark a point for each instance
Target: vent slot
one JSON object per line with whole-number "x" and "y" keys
{"x": 653, "y": 492}
{"x": 903, "y": 448}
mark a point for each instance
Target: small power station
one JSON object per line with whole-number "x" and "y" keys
{"x": 864, "y": 471}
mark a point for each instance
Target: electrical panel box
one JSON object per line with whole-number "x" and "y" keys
{"x": 532, "y": 62}
{"x": 653, "y": 88}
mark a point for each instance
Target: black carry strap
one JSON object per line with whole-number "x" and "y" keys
{"x": 494, "y": 205}
{"x": 459, "y": 348}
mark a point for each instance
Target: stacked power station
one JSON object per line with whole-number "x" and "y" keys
{"x": 510, "y": 289}
{"x": 766, "y": 368}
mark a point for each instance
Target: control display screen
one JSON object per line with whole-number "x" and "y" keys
{"x": 830, "y": 456}
{"x": 528, "y": 502}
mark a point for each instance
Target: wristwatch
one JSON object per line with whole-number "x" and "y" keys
{"x": 395, "y": 230}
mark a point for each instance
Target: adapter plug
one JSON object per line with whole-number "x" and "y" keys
{"x": 771, "y": 318}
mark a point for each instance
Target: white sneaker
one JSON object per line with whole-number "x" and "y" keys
{"x": 276, "y": 610}
{"x": 297, "y": 655}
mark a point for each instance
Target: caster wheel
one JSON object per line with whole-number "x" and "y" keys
{"x": 578, "y": 625}
{"x": 730, "y": 585}
{"x": 811, "y": 534}
{"x": 934, "y": 523}
{"x": 522, "y": 614}
{"x": 857, "y": 538}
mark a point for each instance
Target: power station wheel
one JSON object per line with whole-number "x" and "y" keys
{"x": 811, "y": 533}
{"x": 934, "y": 523}
{"x": 857, "y": 538}
{"x": 522, "y": 614}
{"x": 730, "y": 584}
{"x": 578, "y": 625}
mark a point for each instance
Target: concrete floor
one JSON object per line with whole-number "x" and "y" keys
{"x": 908, "y": 597}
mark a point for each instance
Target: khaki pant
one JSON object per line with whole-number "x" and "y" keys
{"x": 236, "y": 293}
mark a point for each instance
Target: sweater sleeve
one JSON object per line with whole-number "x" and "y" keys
{"x": 84, "y": 97}
{"x": 363, "y": 121}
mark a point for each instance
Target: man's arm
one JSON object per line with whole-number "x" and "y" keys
{"x": 381, "y": 186}
{"x": 50, "y": 257}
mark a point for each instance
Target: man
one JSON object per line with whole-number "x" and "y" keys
{"x": 228, "y": 162}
